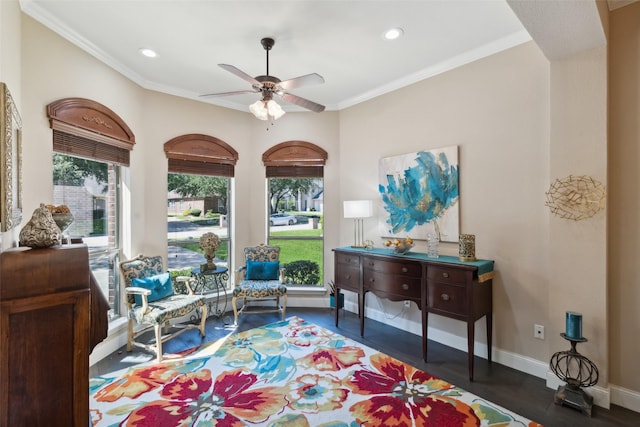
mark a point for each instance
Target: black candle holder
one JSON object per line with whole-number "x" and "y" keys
{"x": 577, "y": 371}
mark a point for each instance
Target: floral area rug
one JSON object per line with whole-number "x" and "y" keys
{"x": 291, "y": 373}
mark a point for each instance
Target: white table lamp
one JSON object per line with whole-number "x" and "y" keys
{"x": 358, "y": 210}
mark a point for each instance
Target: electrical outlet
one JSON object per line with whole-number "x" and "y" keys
{"x": 538, "y": 332}
{"x": 407, "y": 303}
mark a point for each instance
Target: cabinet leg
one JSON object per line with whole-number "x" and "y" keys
{"x": 489, "y": 335}
{"x": 425, "y": 322}
{"x": 337, "y": 305}
{"x": 470, "y": 345}
{"x": 361, "y": 311}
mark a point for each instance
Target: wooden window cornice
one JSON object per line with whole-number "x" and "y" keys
{"x": 201, "y": 155}
{"x": 295, "y": 153}
{"x": 91, "y": 120}
{"x": 202, "y": 148}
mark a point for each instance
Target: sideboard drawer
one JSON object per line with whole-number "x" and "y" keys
{"x": 404, "y": 268}
{"x": 448, "y": 298}
{"x": 347, "y": 276}
{"x": 447, "y": 274}
{"x": 402, "y": 287}
{"x": 348, "y": 259}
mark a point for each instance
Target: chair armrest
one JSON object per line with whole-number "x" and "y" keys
{"x": 140, "y": 291}
{"x": 240, "y": 274}
{"x": 187, "y": 283}
{"x": 137, "y": 291}
{"x": 283, "y": 280}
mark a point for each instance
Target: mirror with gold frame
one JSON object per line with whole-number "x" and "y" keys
{"x": 10, "y": 162}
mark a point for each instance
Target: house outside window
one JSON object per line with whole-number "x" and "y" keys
{"x": 199, "y": 204}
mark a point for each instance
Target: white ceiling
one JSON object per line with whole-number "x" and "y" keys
{"x": 340, "y": 40}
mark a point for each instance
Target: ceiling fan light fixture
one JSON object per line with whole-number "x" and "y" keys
{"x": 259, "y": 110}
{"x": 274, "y": 109}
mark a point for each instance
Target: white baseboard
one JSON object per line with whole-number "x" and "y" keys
{"x": 117, "y": 338}
{"x": 626, "y": 398}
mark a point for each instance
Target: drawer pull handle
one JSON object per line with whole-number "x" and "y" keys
{"x": 348, "y": 276}
{"x": 404, "y": 269}
{"x": 445, "y": 297}
{"x": 371, "y": 280}
{"x": 445, "y": 274}
{"x": 405, "y": 286}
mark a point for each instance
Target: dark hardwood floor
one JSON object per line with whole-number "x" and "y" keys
{"x": 514, "y": 390}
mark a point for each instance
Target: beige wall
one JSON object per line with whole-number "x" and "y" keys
{"x": 496, "y": 111}
{"x": 519, "y": 121}
{"x": 10, "y": 71}
{"x": 624, "y": 197}
{"x": 577, "y": 249}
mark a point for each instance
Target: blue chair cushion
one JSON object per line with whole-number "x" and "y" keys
{"x": 258, "y": 270}
{"x": 159, "y": 285}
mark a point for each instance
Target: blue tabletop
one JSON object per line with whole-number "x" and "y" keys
{"x": 218, "y": 270}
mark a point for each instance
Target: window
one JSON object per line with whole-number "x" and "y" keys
{"x": 296, "y": 225}
{"x": 197, "y": 204}
{"x": 90, "y": 189}
{"x": 91, "y": 144}
{"x": 294, "y": 172}
{"x": 201, "y": 169}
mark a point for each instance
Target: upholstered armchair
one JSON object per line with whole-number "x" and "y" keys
{"x": 260, "y": 279}
{"x": 151, "y": 302}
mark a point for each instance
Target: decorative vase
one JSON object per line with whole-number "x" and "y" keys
{"x": 332, "y": 300}
{"x": 210, "y": 254}
{"x": 433, "y": 243}
{"x": 63, "y": 221}
{"x": 41, "y": 231}
{"x": 467, "y": 247}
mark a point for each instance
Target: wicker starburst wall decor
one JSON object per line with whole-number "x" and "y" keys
{"x": 576, "y": 197}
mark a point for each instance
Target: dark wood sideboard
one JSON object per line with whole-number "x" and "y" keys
{"x": 52, "y": 314}
{"x": 444, "y": 286}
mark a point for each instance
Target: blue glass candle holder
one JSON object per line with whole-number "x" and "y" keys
{"x": 573, "y": 328}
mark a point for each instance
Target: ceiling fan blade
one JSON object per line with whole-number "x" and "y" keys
{"x": 244, "y": 76}
{"x": 309, "y": 79}
{"x": 237, "y": 92}
{"x": 309, "y": 105}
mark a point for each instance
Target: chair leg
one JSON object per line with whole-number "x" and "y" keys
{"x": 203, "y": 321}
{"x": 158, "y": 328}
{"x": 284, "y": 307}
{"x": 130, "y": 335}
{"x": 234, "y": 300}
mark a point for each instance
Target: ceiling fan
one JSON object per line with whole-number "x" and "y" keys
{"x": 269, "y": 86}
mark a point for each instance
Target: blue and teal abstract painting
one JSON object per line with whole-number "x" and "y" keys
{"x": 420, "y": 194}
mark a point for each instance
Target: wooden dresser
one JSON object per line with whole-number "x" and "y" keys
{"x": 444, "y": 286}
{"x": 50, "y": 314}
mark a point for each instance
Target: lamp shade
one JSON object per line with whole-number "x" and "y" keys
{"x": 259, "y": 110}
{"x": 357, "y": 208}
{"x": 274, "y": 109}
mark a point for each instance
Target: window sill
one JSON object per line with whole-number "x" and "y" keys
{"x": 306, "y": 290}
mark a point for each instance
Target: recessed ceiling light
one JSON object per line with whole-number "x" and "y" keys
{"x": 149, "y": 53}
{"x": 393, "y": 33}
